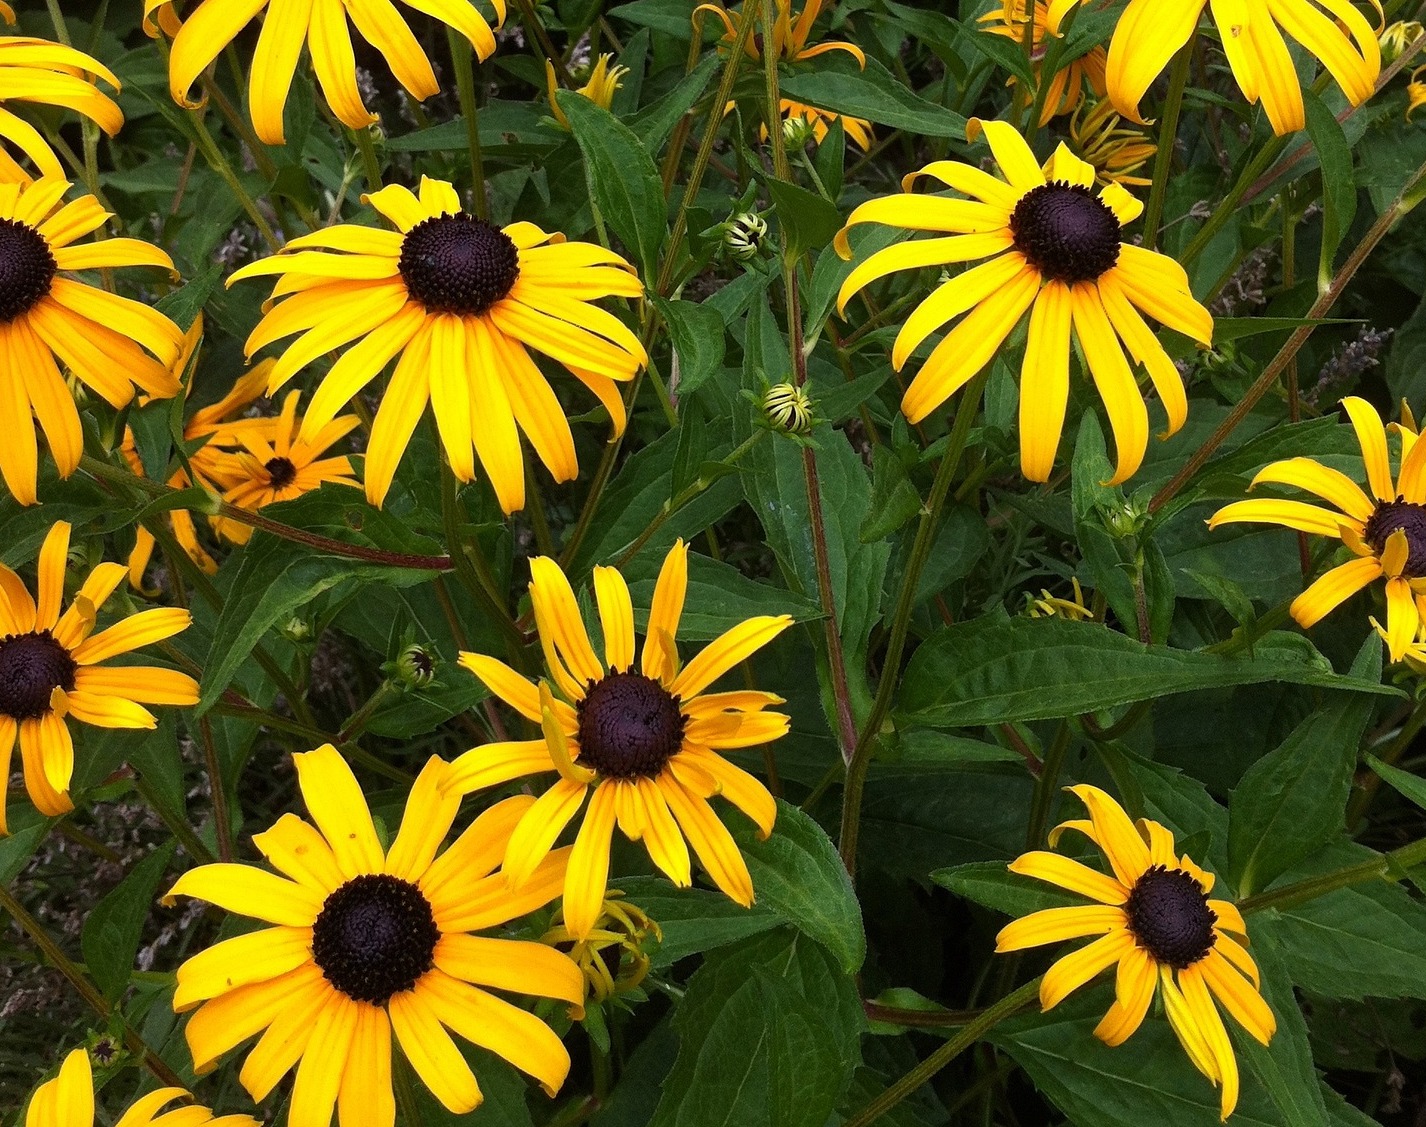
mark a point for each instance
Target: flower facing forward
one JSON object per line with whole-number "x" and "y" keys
{"x": 1150, "y": 33}
{"x": 1154, "y": 919}
{"x": 461, "y": 301}
{"x": 643, "y": 746}
{"x": 1386, "y": 531}
{"x": 39, "y": 72}
{"x": 51, "y": 669}
{"x": 44, "y": 315}
{"x": 1056, "y": 245}
{"x": 68, "y": 1101}
{"x": 368, "y": 943}
{"x": 322, "y": 26}
{"x": 1068, "y": 83}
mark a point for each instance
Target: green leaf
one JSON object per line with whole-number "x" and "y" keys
{"x": 719, "y": 597}
{"x": 693, "y": 920}
{"x": 1293, "y": 799}
{"x": 1339, "y": 187}
{"x": 1004, "y": 52}
{"x": 1284, "y": 1065}
{"x": 623, "y": 181}
{"x": 894, "y": 500}
{"x": 987, "y": 672}
{"x": 113, "y": 928}
{"x": 875, "y": 94}
{"x": 798, "y": 875}
{"x": 697, "y": 334}
{"x": 654, "y": 123}
{"x": 991, "y": 885}
{"x": 808, "y": 221}
{"x": 768, "y": 1036}
{"x": 1403, "y": 782}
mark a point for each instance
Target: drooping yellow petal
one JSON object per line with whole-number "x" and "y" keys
{"x": 1290, "y": 514}
{"x": 1333, "y": 589}
{"x": 588, "y": 875}
{"x": 432, "y": 1053}
{"x": 1044, "y": 381}
{"x": 660, "y": 656}
{"x": 1078, "y": 967}
{"x": 1071, "y": 875}
{"x": 1371, "y": 436}
{"x": 1333, "y": 486}
{"x": 1133, "y": 993}
{"x": 1117, "y": 838}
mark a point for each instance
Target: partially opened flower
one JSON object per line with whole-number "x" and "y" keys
{"x": 603, "y": 81}
{"x": 368, "y": 942}
{"x": 39, "y": 72}
{"x": 104, "y": 339}
{"x": 1068, "y": 84}
{"x": 1153, "y": 918}
{"x": 789, "y": 36}
{"x": 52, "y": 670}
{"x": 642, "y": 746}
{"x": 462, "y": 302}
{"x": 1151, "y": 32}
{"x": 1057, "y": 248}
{"x": 68, "y": 1101}
{"x": 322, "y": 26}
{"x": 1116, "y": 151}
{"x": 1386, "y": 532}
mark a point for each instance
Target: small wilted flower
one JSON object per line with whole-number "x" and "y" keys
{"x": 745, "y": 236}
{"x": 1116, "y": 151}
{"x": 1053, "y": 606}
{"x": 1397, "y": 37}
{"x": 1415, "y": 92}
{"x": 611, "y": 957}
{"x": 788, "y": 408}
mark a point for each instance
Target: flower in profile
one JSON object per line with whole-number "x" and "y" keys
{"x": 1056, "y": 245}
{"x": 1116, "y": 151}
{"x": 68, "y": 1101}
{"x": 1068, "y": 83}
{"x": 461, "y": 301}
{"x": 1154, "y": 919}
{"x": 51, "y": 669}
{"x": 789, "y": 36}
{"x": 1397, "y": 37}
{"x": 49, "y": 74}
{"x": 1150, "y": 33}
{"x": 44, "y": 315}
{"x": 642, "y": 746}
{"x": 1057, "y": 606}
{"x": 369, "y": 942}
{"x": 279, "y": 466}
{"x": 322, "y": 26}
{"x": 818, "y": 121}
{"x": 612, "y": 956}
{"x": 1415, "y": 92}
{"x": 1386, "y": 532}
{"x": 603, "y": 81}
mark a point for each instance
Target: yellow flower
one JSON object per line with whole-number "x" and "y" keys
{"x": 278, "y": 465}
{"x": 48, "y": 74}
{"x": 1057, "y": 246}
{"x": 603, "y": 81}
{"x": 789, "y": 38}
{"x": 1150, "y": 33}
{"x": 68, "y": 1101}
{"x": 1415, "y": 92}
{"x": 858, "y": 129}
{"x": 461, "y": 301}
{"x": 1155, "y": 920}
{"x": 643, "y": 746}
{"x": 1055, "y": 606}
{"x": 1399, "y": 36}
{"x": 322, "y": 26}
{"x": 44, "y": 315}
{"x": 1386, "y": 532}
{"x": 51, "y": 669}
{"x": 1068, "y": 83}
{"x": 1116, "y": 151}
{"x": 369, "y": 942}
{"x": 611, "y": 957}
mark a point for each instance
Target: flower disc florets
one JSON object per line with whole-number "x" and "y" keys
{"x": 1170, "y": 917}
{"x": 374, "y": 937}
{"x": 458, "y": 264}
{"x": 1066, "y": 232}
{"x": 32, "y": 666}
{"x": 1409, "y": 518}
{"x": 629, "y": 727}
{"x": 281, "y": 472}
{"x": 27, "y": 268}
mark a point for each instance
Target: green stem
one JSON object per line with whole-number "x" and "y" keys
{"x": 1045, "y": 785}
{"x": 219, "y": 164}
{"x": 222, "y": 829}
{"x": 901, "y": 620}
{"x": 1168, "y": 133}
{"x": 370, "y": 165}
{"x": 1388, "y": 866}
{"x": 1362, "y": 800}
{"x": 1229, "y": 205}
{"x": 470, "y": 565}
{"x": 357, "y": 722}
{"x": 543, "y": 43}
{"x": 180, "y": 829}
{"x": 989, "y": 1018}
{"x": 462, "y": 56}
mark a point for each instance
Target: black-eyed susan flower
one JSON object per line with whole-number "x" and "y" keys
{"x": 1116, "y": 151}
{"x": 1150, "y": 33}
{"x": 603, "y": 81}
{"x": 368, "y": 942}
{"x": 322, "y": 26}
{"x": 39, "y": 72}
{"x": 99, "y": 336}
{"x": 278, "y": 466}
{"x": 1068, "y": 83}
{"x": 68, "y": 1101}
{"x": 1415, "y": 92}
{"x": 789, "y": 36}
{"x": 1386, "y": 532}
{"x": 51, "y": 670}
{"x": 1056, "y": 247}
{"x": 462, "y": 302}
{"x": 1155, "y": 921}
{"x": 642, "y": 746}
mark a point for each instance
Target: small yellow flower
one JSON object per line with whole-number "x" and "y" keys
{"x": 603, "y": 81}
{"x": 1054, "y": 606}
{"x": 68, "y": 1101}
{"x": 789, "y": 37}
{"x": 1155, "y": 921}
{"x": 1415, "y": 92}
{"x": 1068, "y": 84}
{"x": 611, "y": 957}
{"x": 1115, "y": 150}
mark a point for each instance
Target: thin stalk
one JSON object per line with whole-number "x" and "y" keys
{"x": 543, "y": 43}
{"x": 901, "y": 620}
{"x": 359, "y": 719}
{"x": 371, "y": 167}
{"x": 222, "y": 829}
{"x": 219, "y": 164}
{"x": 1403, "y": 203}
{"x": 1229, "y": 204}
{"x": 1388, "y": 866}
{"x": 1294, "y": 405}
{"x": 462, "y": 56}
{"x": 752, "y": 11}
{"x": 989, "y": 1018}
{"x": 180, "y": 829}
{"x": 470, "y": 566}
{"x": 1045, "y": 784}
{"x": 1168, "y": 133}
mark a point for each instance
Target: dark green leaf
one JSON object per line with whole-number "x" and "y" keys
{"x": 693, "y": 920}
{"x": 875, "y": 94}
{"x": 808, "y": 221}
{"x": 697, "y": 334}
{"x": 991, "y": 885}
{"x": 1339, "y": 188}
{"x": 719, "y": 597}
{"x": 1403, "y": 782}
{"x": 113, "y": 928}
{"x": 894, "y": 500}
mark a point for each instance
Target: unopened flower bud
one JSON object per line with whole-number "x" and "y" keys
{"x": 745, "y": 236}
{"x": 416, "y": 667}
{"x": 788, "y": 408}
{"x": 796, "y": 132}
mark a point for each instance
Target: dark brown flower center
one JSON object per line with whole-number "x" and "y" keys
{"x": 629, "y": 726}
{"x": 1170, "y": 917}
{"x": 27, "y": 268}
{"x": 32, "y": 666}
{"x": 1066, "y": 232}
{"x": 374, "y": 937}
{"x": 1409, "y": 518}
{"x": 458, "y": 264}
{"x": 281, "y": 472}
